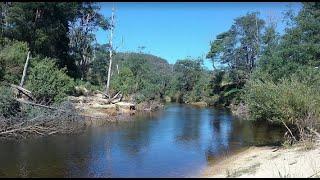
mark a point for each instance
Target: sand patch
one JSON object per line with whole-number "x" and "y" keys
{"x": 270, "y": 162}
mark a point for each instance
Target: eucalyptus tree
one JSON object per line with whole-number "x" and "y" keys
{"x": 301, "y": 42}
{"x": 239, "y": 47}
{"x": 43, "y": 25}
{"x": 112, "y": 26}
{"x": 82, "y": 36}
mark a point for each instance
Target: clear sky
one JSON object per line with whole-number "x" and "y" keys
{"x": 179, "y": 30}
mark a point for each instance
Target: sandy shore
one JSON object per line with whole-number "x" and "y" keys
{"x": 258, "y": 162}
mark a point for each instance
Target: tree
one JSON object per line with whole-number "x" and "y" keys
{"x": 189, "y": 81}
{"x": 110, "y": 50}
{"x": 12, "y": 58}
{"x": 301, "y": 42}
{"x": 298, "y": 47}
{"x": 44, "y": 26}
{"x": 143, "y": 77}
{"x": 285, "y": 86}
{"x": 238, "y": 47}
{"x": 98, "y": 70}
{"x": 82, "y": 35}
{"x": 187, "y": 72}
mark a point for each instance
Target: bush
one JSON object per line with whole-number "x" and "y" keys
{"x": 294, "y": 100}
{"x": 85, "y": 88}
{"x": 124, "y": 81}
{"x": 12, "y": 58}
{"x": 48, "y": 83}
{"x": 8, "y": 105}
{"x": 2, "y": 70}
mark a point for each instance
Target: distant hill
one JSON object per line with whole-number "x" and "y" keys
{"x": 159, "y": 64}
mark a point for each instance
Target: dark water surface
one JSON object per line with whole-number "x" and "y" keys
{"x": 178, "y": 141}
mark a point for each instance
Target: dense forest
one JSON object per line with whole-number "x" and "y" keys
{"x": 256, "y": 71}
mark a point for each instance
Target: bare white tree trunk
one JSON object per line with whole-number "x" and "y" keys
{"x": 110, "y": 51}
{"x": 25, "y": 70}
{"x": 257, "y": 41}
{"x": 118, "y": 69}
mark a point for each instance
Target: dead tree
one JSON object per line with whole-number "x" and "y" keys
{"x": 110, "y": 51}
{"x": 25, "y": 70}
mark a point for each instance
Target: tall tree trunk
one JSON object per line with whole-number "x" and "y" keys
{"x": 110, "y": 51}
{"x": 25, "y": 70}
{"x": 257, "y": 41}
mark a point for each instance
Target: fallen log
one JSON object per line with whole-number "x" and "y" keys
{"x": 39, "y": 105}
{"x": 115, "y": 96}
{"x": 116, "y": 101}
{"x": 106, "y": 95}
{"x": 315, "y": 132}
{"x": 23, "y": 91}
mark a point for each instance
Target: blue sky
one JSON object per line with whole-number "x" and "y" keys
{"x": 179, "y": 30}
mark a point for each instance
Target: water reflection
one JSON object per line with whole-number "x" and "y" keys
{"x": 175, "y": 142}
{"x": 188, "y": 125}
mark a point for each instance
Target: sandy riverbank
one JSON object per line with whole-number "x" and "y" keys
{"x": 258, "y": 162}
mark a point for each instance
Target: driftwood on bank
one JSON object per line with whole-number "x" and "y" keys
{"x": 64, "y": 119}
{"x": 315, "y": 132}
{"x": 39, "y": 105}
{"x": 46, "y": 120}
{"x": 23, "y": 91}
{"x": 105, "y": 95}
{"x": 116, "y": 98}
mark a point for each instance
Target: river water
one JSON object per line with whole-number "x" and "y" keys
{"x": 178, "y": 141}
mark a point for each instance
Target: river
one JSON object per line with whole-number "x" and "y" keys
{"x": 178, "y": 141}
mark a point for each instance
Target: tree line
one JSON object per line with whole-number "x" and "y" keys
{"x": 269, "y": 76}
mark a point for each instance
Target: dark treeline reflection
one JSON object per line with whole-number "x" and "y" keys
{"x": 176, "y": 142}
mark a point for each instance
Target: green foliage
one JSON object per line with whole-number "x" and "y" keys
{"x": 43, "y": 25}
{"x": 237, "y": 51}
{"x": 56, "y": 30}
{"x": 187, "y": 72}
{"x": 98, "y": 70}
{"x": 285, "y": 86}
{"x": 216, "y": 81}
{"x": 125, "y": 81}
{"x": 12, "y": 58}
{"x": 190, "y": 82}
{"x": 82, "y": 86}
{"x": 82, "y": 36}
{"x": 8, "y": 105}
{"x": 142, "y": 76}
{"x": 223, "y": 89}
{"x": 238, "y": 48}
{"x": 47, "y": 83}
{"x": 300, "y": 43}
{"x": 294, "y": 100}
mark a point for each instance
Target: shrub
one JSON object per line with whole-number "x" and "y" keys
{"x": 124, "y": 81}
{"x": 48, "y": 83}
{"x": 8, "y": 105}
{"x": 85, "y": 88}
{"x": 12, "y": 59}
{"x": 2, "y": 70}
{"x": 294, "y": 100}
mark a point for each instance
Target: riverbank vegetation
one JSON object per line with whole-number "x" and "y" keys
{"x": 274, "y": 77}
